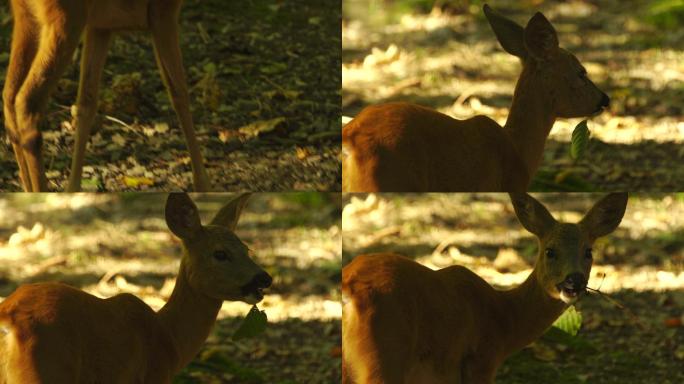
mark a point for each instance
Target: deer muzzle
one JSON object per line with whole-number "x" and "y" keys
{"x": 254, "y": 289}
{"x": 571, "y": 288}
{"x": 603, "y": 104}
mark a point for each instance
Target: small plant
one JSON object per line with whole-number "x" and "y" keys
{"x": 124, "y": 96}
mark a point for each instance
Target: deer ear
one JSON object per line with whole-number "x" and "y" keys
{"x": 182, "y": 216}
{"x": 229, "y": 215}
{"x": 540, "y": 37}
{"x": 605, "y": 216}
{"x": 532, "y": 214}
{"x": 508, "y": 32}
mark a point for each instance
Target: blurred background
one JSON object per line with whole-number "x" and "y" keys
{"x": 640, "y": 265}
{"x": 106, "y": 244}
{"x": 443, "y": 54}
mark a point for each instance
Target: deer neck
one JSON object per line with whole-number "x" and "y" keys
{"x": 530, "y": 119}
{"x": 528, "y": 312}
{"x": 189, "y": 317}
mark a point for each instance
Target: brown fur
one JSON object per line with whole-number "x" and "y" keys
{"x": 382, "y": 136}
{"x": 44, "y": 38}
{"x": 407, "y": 324}
{"x": 35, "y": 311}
{"x": 53, "y": 333}
{"x": 401, "y": 147}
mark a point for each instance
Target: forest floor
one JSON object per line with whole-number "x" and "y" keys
{"x": 264, "y": 83}
{"x": 110, "y": 244}
{"x": 640, "y": 265}
{"x": 451, "y": 61}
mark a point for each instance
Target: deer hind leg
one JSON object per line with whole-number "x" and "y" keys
{"x": 58, "y": 40}
{"x": 346, "y": 379}
{"x": 94, "y": 55}
{"x": 24, "y": 46}
{"x": 29, "y": 363}
{"x": 372, "y": 354}
{"x": 167, "y": 49}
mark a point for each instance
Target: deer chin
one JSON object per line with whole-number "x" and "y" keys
{"x": 598, "y": 111}
{"x": 252, "y": 293}
{"x": 246, "y": 294}
{"x": 569, "y": 295}
{"x": 254, "y": 297}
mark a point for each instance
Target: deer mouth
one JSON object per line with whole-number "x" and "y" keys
{"x": 605, "y": 102}
{"x": 598, "y": 111}
{"x": 569, "y": 293}
{"x": 253, "y": 292}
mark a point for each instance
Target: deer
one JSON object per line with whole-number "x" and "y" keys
{"x": 53, "y": 333}
{"x": 403, "y": 322}
{"x": 404, "y": 147}
{"x": 44, "y": 37}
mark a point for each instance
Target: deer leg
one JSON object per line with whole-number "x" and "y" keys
{"x": 94, "y": 55}
{"x": 169, "y": 60}
{"x": 24, "y": 46}
{"x": 57, "y": 44}
{"x": 345, "y": 376}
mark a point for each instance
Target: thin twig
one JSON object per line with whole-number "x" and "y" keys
{"x": 443, "y": 246}
{"x": 603, "y": 278}
{"x": 621, "y": 306}
{"x": 114, "y": 119}
{"x": 125, "y": 125}
{"x": 281, "y": 89}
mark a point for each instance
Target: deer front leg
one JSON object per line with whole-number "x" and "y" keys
{"x": 167, "y": 49}
{"x": 57, "y": 44}
{"x": 24, "y": 47}
{"x": 93, "y": 59}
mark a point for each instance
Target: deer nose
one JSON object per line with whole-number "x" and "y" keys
{"x": 605, "y": 101}
{"x": 576, "y": 282}
{"x": 262, "y": 280}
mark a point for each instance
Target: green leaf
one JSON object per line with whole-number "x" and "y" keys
{"x": 580, "y": 140}
{"x": 570, "y": 321}
{"x": 90, "y": 184}
{"x": 252, "y": 325}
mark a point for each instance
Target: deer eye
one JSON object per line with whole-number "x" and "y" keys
{"x": 588, "y": 255}
{"x": 550, "y": 253}
{"x": 221, "y": 255}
